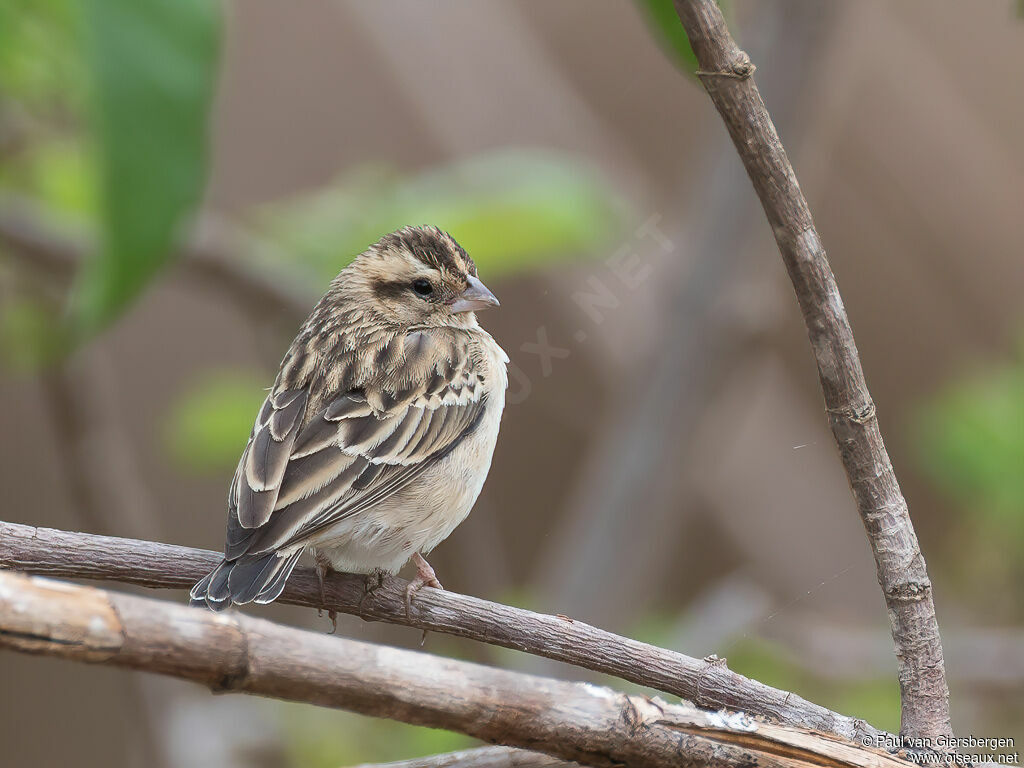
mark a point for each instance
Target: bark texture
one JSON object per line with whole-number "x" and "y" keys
{"x": 231, "y": 652}
{"x": 727, "y": 75}
{"x": 480, "y": 757}
{"x": 708, "y": 683}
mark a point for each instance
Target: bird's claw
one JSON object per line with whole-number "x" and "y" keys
{"x": 415, "y": 586}
{"x": 372, "y": 582}
{"x": 425, "y": 577}
{"x": 321, "y": 570}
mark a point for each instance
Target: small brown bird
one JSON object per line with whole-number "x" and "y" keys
{"x": 377, "y": 435}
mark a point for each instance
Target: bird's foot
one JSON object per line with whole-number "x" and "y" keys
{"x": 371, "y": 583}
{"x": 322, "y": 567}
{"x": 425, "y": 577}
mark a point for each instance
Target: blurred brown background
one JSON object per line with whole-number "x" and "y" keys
{"x": 667, "y": 473}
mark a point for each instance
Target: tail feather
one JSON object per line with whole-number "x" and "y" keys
{"x": 218, "y": 590}
{"x": 250, "y": 575}
{"x": 259, "y": 578}
{"x": 211, "y": 590}
{"x": 272, "y": 590}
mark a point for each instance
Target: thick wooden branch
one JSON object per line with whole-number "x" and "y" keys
{"x": 727, "y": 75}
{"x": 233, "y": 652}
{"x": 707, "y": 683}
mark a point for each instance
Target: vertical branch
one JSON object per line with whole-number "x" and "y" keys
{"x": 726, "y": 73}
{"x": 647, "y": 428}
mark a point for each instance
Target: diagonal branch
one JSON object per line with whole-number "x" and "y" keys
{"x": 726, "y": 73}
{"x": 233, "y": 652}
{"x": 707, "y": 683}
{"x": 480, "y": 757}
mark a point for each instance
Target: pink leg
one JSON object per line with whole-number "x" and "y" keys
{"x": 425, "y": 577}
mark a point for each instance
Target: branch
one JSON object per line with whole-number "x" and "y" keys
{"x": 211, "y": 260}
{"x": 707, "y": 683}
{"x": 233, "y": 652}
{"x": 726, "y": 73}
{"x": 480, "y": 757}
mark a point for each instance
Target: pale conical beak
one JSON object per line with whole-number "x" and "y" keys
{"x": 475, "y": 297}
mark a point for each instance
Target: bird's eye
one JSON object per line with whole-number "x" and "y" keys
{"x": 422, "y": 287}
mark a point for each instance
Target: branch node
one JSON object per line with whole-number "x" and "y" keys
{"x": 909, "y": 591}
{"x": 740, "y": 68}
{"x": 713, "y": 661}
{"x": 858, "y": 414}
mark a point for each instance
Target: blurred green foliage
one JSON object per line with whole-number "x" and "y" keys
{"x": 40, "y": 72}
{"x": 666, "y": 28}
{"x": 319, "y": 738}
{"x": 105, "y": 107}
{"x": 208, "y": 426}
{"x": 969, "y": 441}
{"x": 29, "y": 339}
{"x": 104, "y": 115}
{"x": 43, "y": 100}
{"x": 153, "y": 65}
{"x": 875, "y": 700}
{"x": 61, "y": 172}
{"x": 510, "y": 210}
{"x": 664, "y": 22}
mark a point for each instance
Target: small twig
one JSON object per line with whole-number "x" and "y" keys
{"x": 709, "y": 684}
{"x": 851, "y": 412}
{"x": 480, "y": 757}
{"x": 590, "y": 724}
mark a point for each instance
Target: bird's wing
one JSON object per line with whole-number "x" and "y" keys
{"x": 364, "y": 445}
{"x": 262, "y": 467}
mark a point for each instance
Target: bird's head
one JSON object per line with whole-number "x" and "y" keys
{"x": 419, "y": 276}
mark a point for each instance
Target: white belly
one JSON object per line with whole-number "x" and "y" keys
{"x": 421, "y": 515}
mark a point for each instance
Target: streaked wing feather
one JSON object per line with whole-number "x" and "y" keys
{"x": 389, "y": 451}
{"x": 263, "y": 464}
{"x": 310, "y": 473}
{"x": 285, "y": 524}
{"x": 392, "y": 477}
{"x": 352, "y": 454}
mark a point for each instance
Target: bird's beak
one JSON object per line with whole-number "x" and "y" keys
{"x": 476, "y": 296}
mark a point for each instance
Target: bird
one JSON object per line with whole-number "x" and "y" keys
{"x": 375, "y": 440}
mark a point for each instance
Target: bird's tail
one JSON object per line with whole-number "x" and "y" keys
{"x": 255, "y": 578}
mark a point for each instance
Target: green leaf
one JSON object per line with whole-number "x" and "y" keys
{"x": 153, "y": 66}
{"x": 664, "y": 22}
{"x": 510, "y": 210}
{"x": 207, "y": 428}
